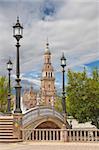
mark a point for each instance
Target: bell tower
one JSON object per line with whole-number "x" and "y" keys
{"x": 48, "y": 90}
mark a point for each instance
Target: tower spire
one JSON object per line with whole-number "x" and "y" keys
{"x": 48, "y": 80}
{"x": 47, "y": 46}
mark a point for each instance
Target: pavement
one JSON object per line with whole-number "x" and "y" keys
{"x": 48, "y": 146}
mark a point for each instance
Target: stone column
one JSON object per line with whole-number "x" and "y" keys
{"x": 17, "y": 125}
{"x": 64, "y": 134}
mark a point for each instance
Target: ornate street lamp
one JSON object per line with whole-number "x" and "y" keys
{"x": 63, "y": 64}
{"x": 18, "y": 34}
{"x": 9, "y": 68}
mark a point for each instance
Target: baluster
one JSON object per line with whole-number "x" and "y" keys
{"x": 96, "y": 135}
{"x": 70, "y": 136}
{"x": 43, "y": 135}
{"x": 33, "y": 135}
{"x": 92, "y": 135}
{"x": 84, "y": 135}
{"x": 81, "y": 135}
{"x": 50, "y": 136}
{"x": 57, "y": 135}
{"x": 46, "y": 135}
{"x": 73, "y": 136}
{"x": 88, "y": 135}
{"x": 77, "y": 135}
{"x": 61, "y": 135}
{"x": 53, "y": 135}
{"x": 40, "y": 135}
{"x": 29, "y": 137}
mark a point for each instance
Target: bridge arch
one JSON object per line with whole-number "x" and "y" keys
{"x": 48, "y": 125}
{"x": 43, "y": 117}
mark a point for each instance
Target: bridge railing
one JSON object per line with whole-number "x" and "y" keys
{"x": 67, "y": 135}
{"x": 33, "y": 113}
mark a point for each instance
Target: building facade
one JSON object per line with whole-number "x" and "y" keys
{"x": 47, "y": 94}
{"x": 29, "y": 98}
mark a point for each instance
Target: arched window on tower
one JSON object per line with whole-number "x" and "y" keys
{"x": 46, "y": 74}
{"x": 51, "y": 74}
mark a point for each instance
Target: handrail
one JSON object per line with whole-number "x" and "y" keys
{"x": 65, "y": 135}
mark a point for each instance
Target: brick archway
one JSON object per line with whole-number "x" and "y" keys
{"x": 47, "y": 125}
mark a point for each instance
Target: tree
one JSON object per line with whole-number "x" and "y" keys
{"x": 83, "y": 96}
{"x": 3, "y": 94}
{"x": 58, "y": 104}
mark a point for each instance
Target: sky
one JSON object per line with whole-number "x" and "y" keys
{"x": 71, "y": 26}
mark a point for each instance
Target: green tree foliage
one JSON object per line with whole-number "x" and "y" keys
{"x": 58, "y": 104}
{"x": 3, "y": 94}
{"x": 83, "y": 96}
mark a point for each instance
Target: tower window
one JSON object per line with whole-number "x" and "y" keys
{"x": 46, "y": 74}
{"x": 51, "y": 74}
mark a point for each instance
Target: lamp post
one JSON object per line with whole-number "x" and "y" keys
{"x": 18, "y": 34}
{"x": 9, "y": 68}
{"x": 63, "y": 64}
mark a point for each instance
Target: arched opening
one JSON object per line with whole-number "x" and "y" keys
{"x": 48, "y": 125}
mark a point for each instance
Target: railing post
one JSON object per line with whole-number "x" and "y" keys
{"x": 17, "y": 125}
{"x": 64, "y": 135}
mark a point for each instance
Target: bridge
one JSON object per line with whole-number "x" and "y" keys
{"x": 43, "y": 117}
{"x": 42, "y": 123}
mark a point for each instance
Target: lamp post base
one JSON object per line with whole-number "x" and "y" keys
{"x": 18, "y": 110}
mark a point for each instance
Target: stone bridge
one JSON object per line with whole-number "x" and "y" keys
{"x": 42, "y": 117}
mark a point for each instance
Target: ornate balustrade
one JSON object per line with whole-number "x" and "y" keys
{"x": 41, "y": 135}
{"x": 68, "y": 135}
{"x": 83, "y": 135}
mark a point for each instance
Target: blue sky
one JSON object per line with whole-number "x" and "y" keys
{"x": 72, "y": 27}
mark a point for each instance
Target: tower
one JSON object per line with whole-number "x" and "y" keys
{"x": 47, "y": 80}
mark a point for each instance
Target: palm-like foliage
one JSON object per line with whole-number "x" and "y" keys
{"x": 3, "y": 94}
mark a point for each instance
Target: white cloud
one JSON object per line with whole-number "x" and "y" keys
{"x": 72, "y": 28}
